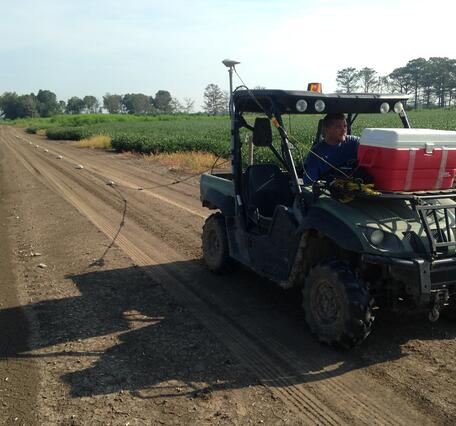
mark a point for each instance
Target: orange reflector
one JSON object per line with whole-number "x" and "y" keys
{"x": 275, "y": 122}
{"x": 314, "y": 87}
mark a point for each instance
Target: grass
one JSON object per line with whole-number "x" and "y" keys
{"x": 98, "y": 142}
{"x": 194, "y": 162}
{"x": 165, "y": 135}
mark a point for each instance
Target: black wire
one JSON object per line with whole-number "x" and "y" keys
{"x": 101, "y": 260}
{"x": 210, "y": 169}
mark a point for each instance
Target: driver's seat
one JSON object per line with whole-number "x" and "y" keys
{"x": 265, "y": 186}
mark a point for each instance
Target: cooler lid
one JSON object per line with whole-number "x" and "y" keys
{"x": 408, "y": 138}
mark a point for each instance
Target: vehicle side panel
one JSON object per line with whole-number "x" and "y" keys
{"x": 217, "y": 192}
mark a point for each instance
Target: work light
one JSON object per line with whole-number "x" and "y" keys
{"x": 398, "y": 107}
{"x": 319, "y": 106}
{"x": 301, "y": 105}
{"x": 384, "y": 107}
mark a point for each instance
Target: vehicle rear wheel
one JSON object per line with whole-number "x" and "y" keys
{"x": 337, "y": 304}
{"x": 215, "y": 244}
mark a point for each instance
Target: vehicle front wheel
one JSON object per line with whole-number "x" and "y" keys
{"x": 215, "y": 244}
{"x": 337, "y": 304}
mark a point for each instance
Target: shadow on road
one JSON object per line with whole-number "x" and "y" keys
{"x": 161, "y": 342}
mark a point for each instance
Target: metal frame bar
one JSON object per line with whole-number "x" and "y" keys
{"x": 445, "y": 237}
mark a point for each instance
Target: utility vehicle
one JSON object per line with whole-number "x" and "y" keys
{"x": 393, "y": 250}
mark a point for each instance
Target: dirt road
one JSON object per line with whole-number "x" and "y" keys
{"x": 123, "y": 324}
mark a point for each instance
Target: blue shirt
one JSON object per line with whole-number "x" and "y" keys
{"x": 338, "y": 155}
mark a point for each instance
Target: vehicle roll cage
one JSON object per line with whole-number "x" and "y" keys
{"x": 275, "y": 103}
{"x": 238, "y": 122}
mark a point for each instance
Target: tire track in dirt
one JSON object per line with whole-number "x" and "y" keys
{"x": 307, "y": 405}
{"x": 274, "y": 364}
{"x": 130, "y": 182}
{"x": 115, "y": 198}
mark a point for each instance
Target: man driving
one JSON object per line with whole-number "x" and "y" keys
{"x": 337, "y": 148}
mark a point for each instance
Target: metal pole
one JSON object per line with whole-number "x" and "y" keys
{"x": 250, "y": 150}
{"x": 230, "y": 64}
{"x": 230, "y": 71}
{"x": 404, "y": 119}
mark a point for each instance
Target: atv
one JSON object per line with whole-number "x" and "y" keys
{"x": 393, "y": 250}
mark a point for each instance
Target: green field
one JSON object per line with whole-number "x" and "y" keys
{"x": 168, "y": 133}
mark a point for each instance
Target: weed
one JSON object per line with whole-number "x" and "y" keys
{"x": 99, "y": 141}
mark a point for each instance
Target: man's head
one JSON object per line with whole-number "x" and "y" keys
{"x": 334, "y": 128}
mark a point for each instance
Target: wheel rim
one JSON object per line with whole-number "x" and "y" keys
{"x": 326, "y": 304}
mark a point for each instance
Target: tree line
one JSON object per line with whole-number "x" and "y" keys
{"x": 430, "y": 82}
{"x": 45, "y": 104}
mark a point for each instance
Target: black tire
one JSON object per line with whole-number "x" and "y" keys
{"x": 215, "y": 245}
{"x": 338, "y": 305}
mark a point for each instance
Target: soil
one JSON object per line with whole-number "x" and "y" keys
{"x": 109, "y": 316}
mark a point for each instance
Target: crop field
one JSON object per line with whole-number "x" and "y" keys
{"x": 168, "y": 133}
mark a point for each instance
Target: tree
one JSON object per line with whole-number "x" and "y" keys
{"x": 225, "y": 107}
{"x": 62, "y": 107}
{"x": 9, "y": 105}
{"x": 176, "y": 106}
{"x": 162, "y": 101}
{"x": 442, "y": 70}
{"x": 214, "y": 100}
{"x": 28, "y": 106}
{"x": 347, "y": 79}
{"x": 384, "y": 84}
{"x": 13, "y": 106}
{"x": 91, "y": 103}
{"x": 368, "y": 79}
{"x": 47, "y": 103}
{"x": 415, "y": 70}
{"x": 427, "y": 81}
{"x": 188, "y": 105}
{"x": 75, "y": 105}
{"x": 401, "y": 79}
{"x": 136, "y": 103}
{"x": 113, "y": 103}
{"x": 452, "y": 89}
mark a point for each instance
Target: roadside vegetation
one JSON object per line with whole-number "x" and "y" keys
{"x": 163, "y": 125}
{"x": 98, "y": 141}
{"x": 166, "y": 134}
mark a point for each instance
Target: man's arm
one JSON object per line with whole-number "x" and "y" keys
{"x": 312, "y": 168}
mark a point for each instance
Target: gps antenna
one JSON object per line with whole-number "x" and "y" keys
{"x": 230, "y": 63}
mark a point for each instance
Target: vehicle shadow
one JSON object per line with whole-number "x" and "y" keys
{"x": 158, "y": 341}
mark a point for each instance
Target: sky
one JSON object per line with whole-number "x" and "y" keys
{"x": 78, "y": 48}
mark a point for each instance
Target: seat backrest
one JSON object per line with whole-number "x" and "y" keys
{"x": 266, "y": 186}
{"x": 262, "y": 133}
